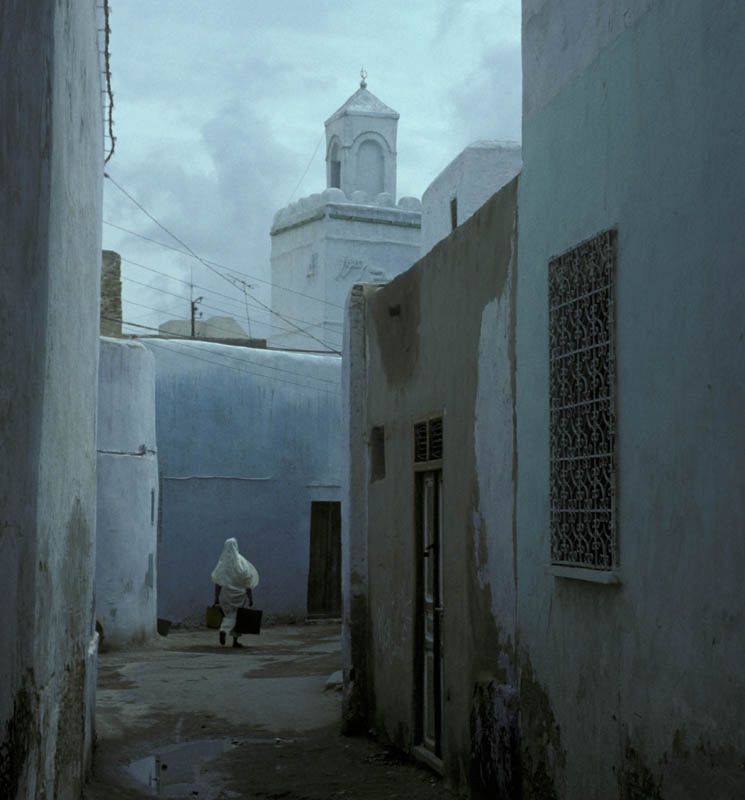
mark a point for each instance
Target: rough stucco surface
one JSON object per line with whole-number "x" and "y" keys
{"x": 323, "y": 259}
{"x": 50, "y": 210}
{"x": 472, "y": 177}
{"x": 423, "y": 331}
{"x": 127, "y": 480}
{"x": 247, "y": 439}
{"x": 560, "y": 40}
{"x": 354, "y": 463}
{"x": 641, "y": 686}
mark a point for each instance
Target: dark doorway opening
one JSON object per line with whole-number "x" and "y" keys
{"x": 324, "y": 571}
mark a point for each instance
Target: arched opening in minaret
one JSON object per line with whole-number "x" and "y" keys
{"x": 334, "y": 167}
{"x": 370, "y": 168}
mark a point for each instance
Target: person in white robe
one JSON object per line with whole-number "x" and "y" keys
{"x": 234, "y": 578}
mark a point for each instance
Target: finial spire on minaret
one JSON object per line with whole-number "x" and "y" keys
{"x": 363, "y": 75}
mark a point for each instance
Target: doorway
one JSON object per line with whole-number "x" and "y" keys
{"x": 430, "y": 612}
{"x": 324, "y": 569}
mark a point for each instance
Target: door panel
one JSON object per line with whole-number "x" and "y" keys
{"x": 324, "y": 570}
{"x": 431, "y": 609}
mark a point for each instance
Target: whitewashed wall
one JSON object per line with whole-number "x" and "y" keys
{"x": 51, "y": 162}
{"x": 324, "y": 244}
{"x": 127, "y": 477}
{"x": 471, "y": 178}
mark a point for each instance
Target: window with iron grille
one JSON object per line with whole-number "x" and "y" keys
{"x": 428, "y": 440}
{"x": 582, "y": 366}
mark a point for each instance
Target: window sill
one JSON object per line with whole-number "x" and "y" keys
{"x": 607, "y": 577}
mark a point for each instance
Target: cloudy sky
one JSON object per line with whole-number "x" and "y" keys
{"x": 219, "y": 109}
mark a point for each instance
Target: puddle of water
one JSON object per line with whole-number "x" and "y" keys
{"x": 175, "y": 770}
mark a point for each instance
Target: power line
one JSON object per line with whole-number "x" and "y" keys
{"x": 190, "y": 338}
{"x": 231, "y": 312}
{"x": 223, "y": 266}
{"x": 209, "y": 266}
{"x": 306, "y": 169}
{"x": 155, "y": 340}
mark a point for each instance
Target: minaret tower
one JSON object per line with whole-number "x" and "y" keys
{"x": 361, "y": 145}
{"x": 354, "y": 231}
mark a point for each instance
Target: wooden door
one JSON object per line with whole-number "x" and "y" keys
{"x": 324, "y": 570}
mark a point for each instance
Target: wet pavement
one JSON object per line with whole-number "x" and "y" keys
{"x": 183, "y": 717}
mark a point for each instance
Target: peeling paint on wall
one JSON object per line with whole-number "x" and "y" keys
{"x": 542, "y": 757}
{"x": 69, "y": 756}
{"x": 20, "y": 736}
{"x": 495, "y": 750}
{"x": 397, "y": 328}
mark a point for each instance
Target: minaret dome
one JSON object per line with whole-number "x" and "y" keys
{"x": 361, "y": 145}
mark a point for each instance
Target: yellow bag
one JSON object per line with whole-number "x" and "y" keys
{"x": 213, "y": 617}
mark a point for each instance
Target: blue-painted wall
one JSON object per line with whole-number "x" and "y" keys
{"x": 634, "y": 119}
{"x": 247, "y": 439}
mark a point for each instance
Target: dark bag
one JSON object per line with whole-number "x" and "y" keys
{"x": 248, "y": 620}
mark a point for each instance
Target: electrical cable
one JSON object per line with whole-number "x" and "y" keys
{"x": 223, "y": 266}
{"x": 302, "y": 177}
{"x": 154, "y": 340}
{"x": 228, "y": 311}
{"x": 209, "y": 266}
{"x": 169, "y": 335}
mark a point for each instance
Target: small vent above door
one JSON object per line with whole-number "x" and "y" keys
{"x": 420, "y": 441}
{"x": 435, "y": 439}
{"x": 428, "y": 445}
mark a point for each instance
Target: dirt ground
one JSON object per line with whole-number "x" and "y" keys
{"x": 183, "y": 717}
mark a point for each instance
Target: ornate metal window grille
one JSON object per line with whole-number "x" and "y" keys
{"x": 582, "y": 368}
{"x": 428, "y": 440}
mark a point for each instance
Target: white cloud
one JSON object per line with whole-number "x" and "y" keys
{"x": 219, "y": 107}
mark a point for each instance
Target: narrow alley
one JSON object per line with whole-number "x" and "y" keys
{"x": 183, "y": 717}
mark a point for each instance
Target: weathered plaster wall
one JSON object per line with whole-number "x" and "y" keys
{"x": 355, "y": 471}
{"x": 638, "y": 690}
{"x": 127, "y": 478}
{"x": 471, "y": 177}
{"x": 561, "y": 41}
{"x": 51, "y": 157}
{"x": 440, "y": 338}
{"x": 324, "y": 244}
{"x": 247, "y": 439}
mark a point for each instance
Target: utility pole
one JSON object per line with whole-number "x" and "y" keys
{"x": 194, "y": 313}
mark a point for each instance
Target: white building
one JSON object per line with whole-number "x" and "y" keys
{"x": 465, "y": 184}
{"x": 127, "y": 479}
{"x": 352, "y": 232}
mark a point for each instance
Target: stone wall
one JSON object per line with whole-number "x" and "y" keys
{"x": 111, "y": 294}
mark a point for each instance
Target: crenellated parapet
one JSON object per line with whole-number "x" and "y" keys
{"x": 333, "y": 203}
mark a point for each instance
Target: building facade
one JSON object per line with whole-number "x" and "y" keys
{"x": 428, "y": 505}
{"x": 569, "y": 440}
{"x": 630, "y": 382}
{"x": 467, "y": 182}
{"x": 353, "y": 231}
{"x": 51, "y": 162}
{"x": 248, "y": 446}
